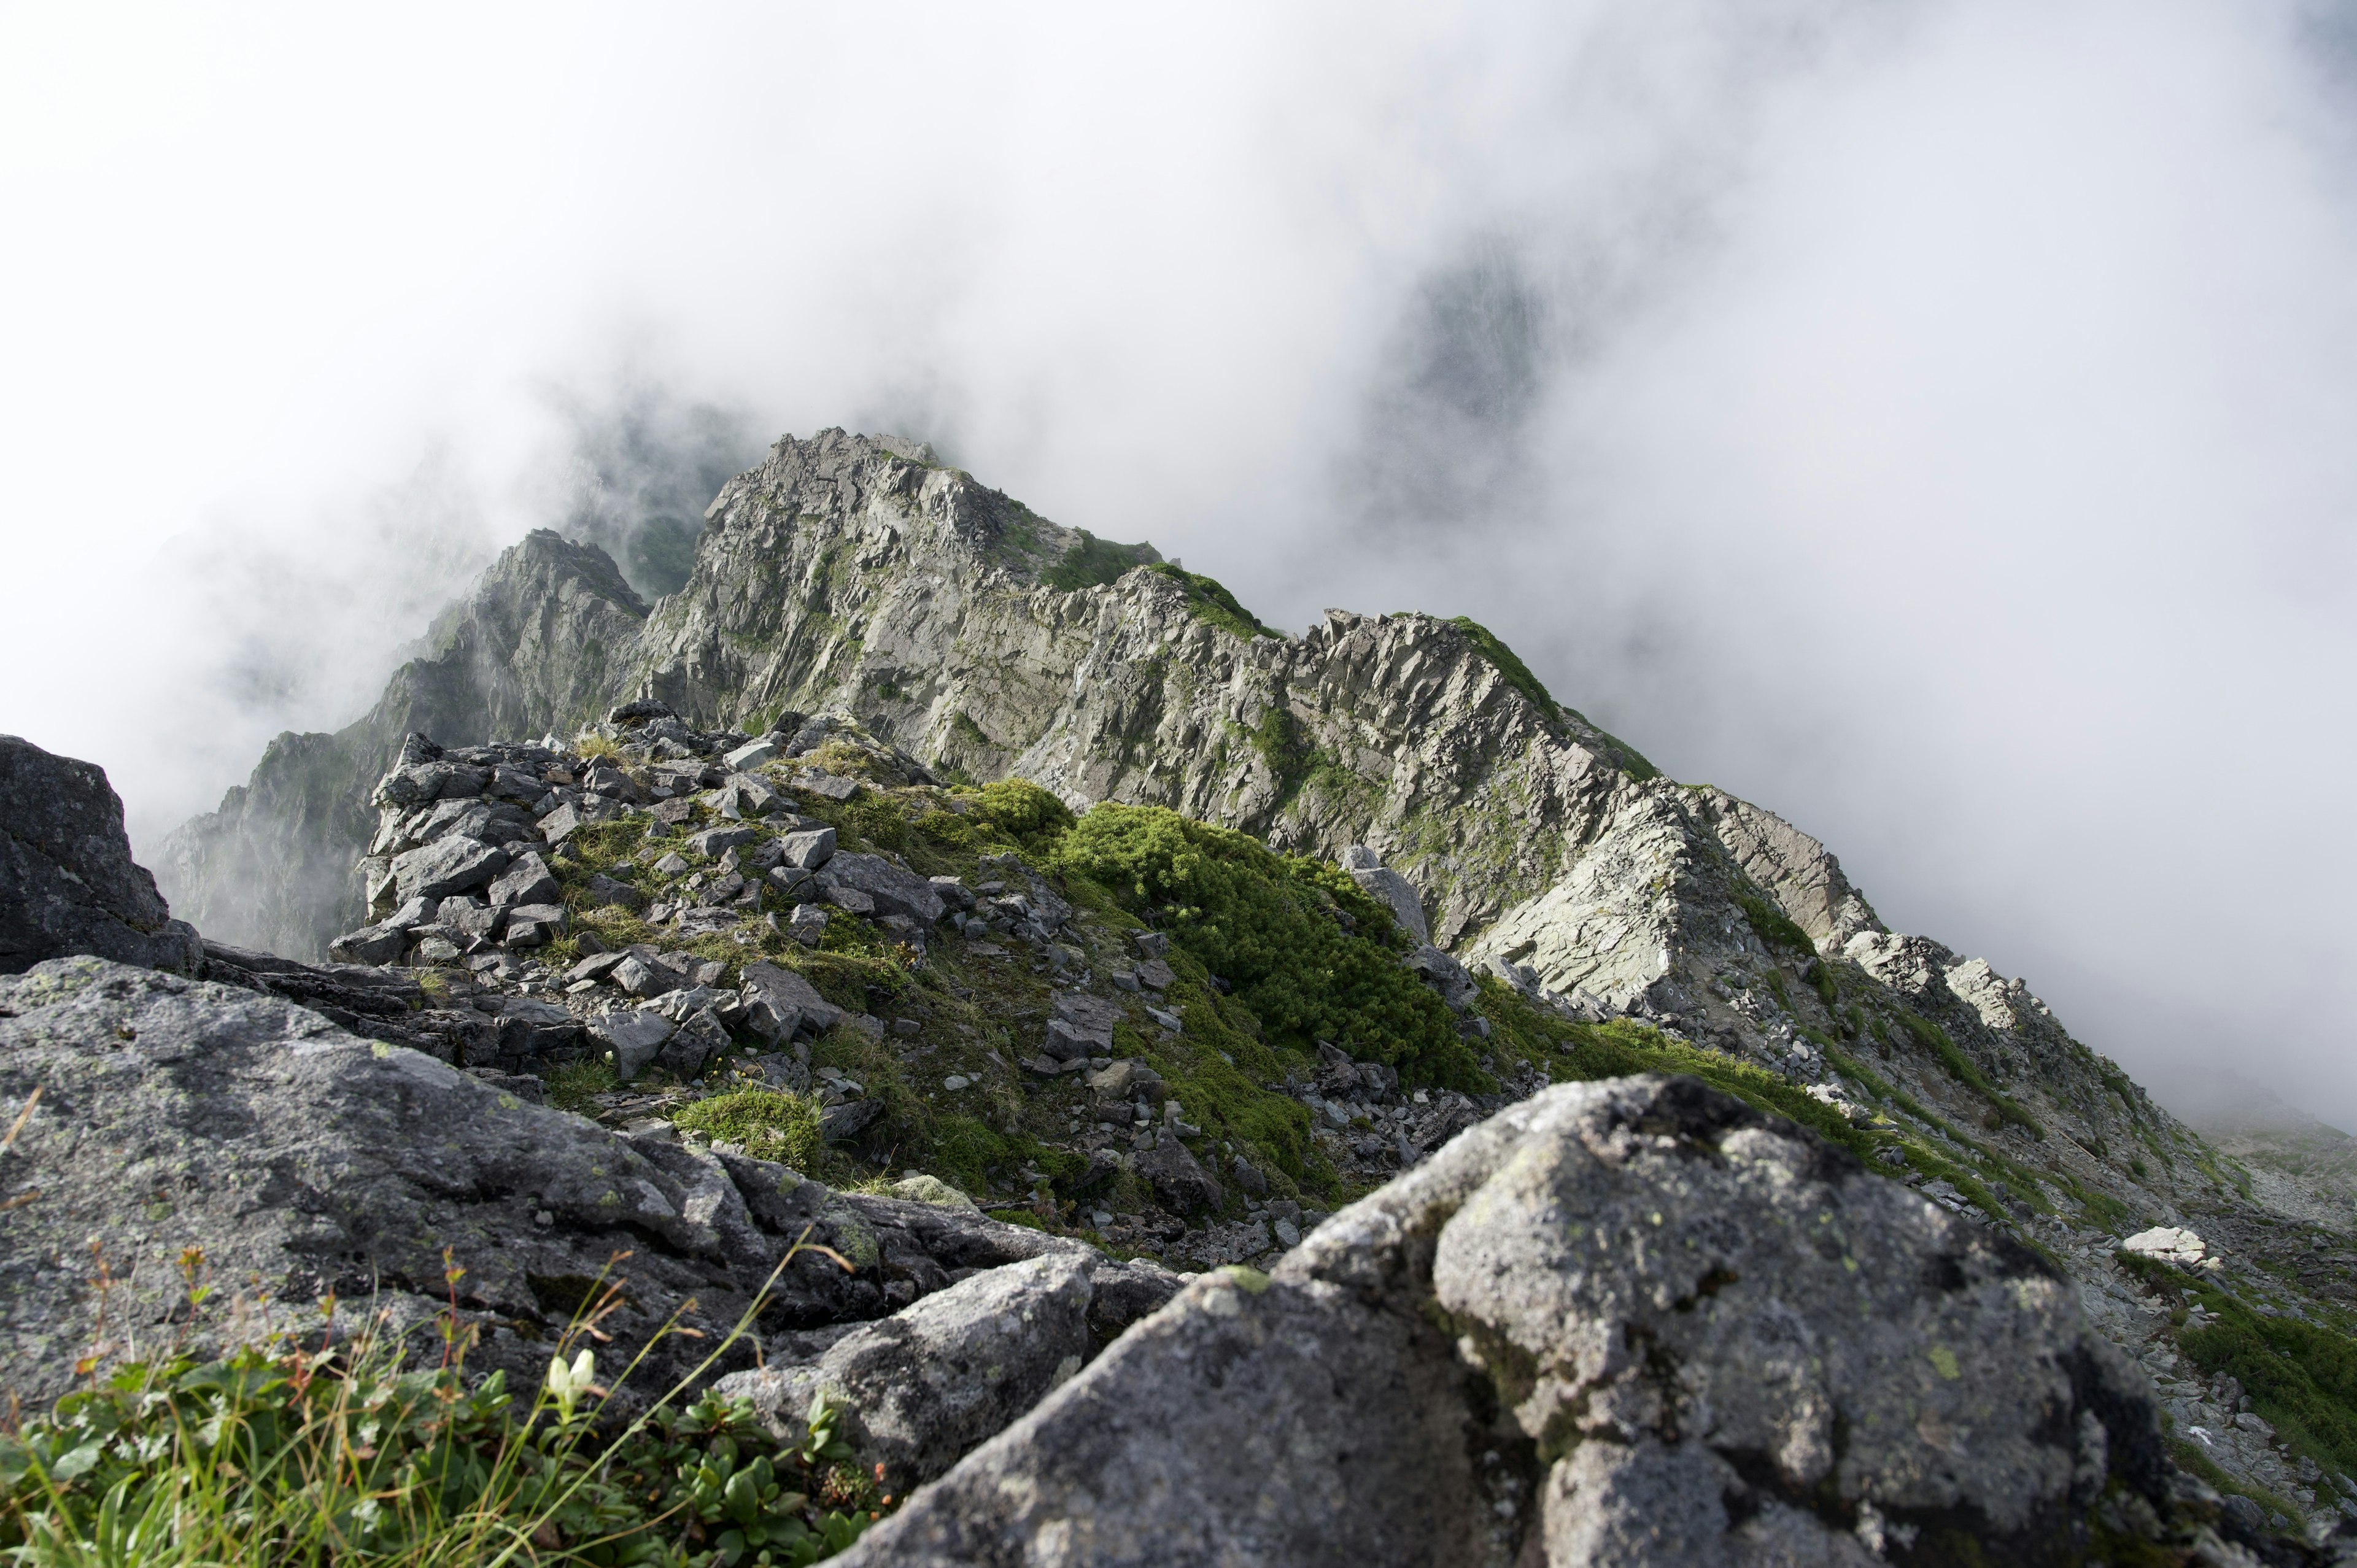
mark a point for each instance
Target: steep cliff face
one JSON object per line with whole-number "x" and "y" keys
{"x": 540, "y": 638}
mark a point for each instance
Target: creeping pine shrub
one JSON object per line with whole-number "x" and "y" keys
{"x": 1020, "y": 809}
{"x": 768, "y": 1125}
{"x": 1273, "y": 928}
{"x": 347, "y": 1454}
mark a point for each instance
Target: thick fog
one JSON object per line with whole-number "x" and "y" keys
{"x": 1936, "y": 422}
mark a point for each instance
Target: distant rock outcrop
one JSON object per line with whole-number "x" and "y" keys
{"x": 546, "y": 631}
{"x": 68, "y": 883}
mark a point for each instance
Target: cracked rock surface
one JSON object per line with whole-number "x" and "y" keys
{"x": 305, "y": 1161}
{"x": 1623, "y": 1322}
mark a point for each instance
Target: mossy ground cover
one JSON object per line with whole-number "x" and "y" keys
{"x": 2003, "y": 1108}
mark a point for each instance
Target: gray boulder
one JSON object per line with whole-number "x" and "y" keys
{"x": 68, "y": 883}
{"x": 1623, "y": 1322}
{"x": 791, "y": 1000}
{"x": 1178, "y": 1178}
{"x": 527, "y": 880}
{"x": 450, "y": 865}
{"x": 1389, "y": 888}
{"x": 809, "y": 849}
{"x": 370, "y": 944}
{"x": 716, "y": 842}
{"x": 894, "y": 891}
{"x": 632, "y": 1036}
{"x": 1444, "y": 974}
{"x": 923, "y": 1387}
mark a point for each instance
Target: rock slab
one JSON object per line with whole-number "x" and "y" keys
{"x": 1629, "y": 1323}
{"x": 68, "y": 883}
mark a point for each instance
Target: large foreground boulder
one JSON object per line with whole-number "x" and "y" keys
{"x": 68, "y": 883}
{"x": 1622, "y": 1323}
{"x": 306, "y": 1162}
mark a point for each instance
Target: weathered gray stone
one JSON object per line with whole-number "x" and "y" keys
{"x": 790, "y": 996}
{"x": 715, "y": 841}
{"x": 1389, "y": 888}
{"x": 642, "y": 976}
{"x": 1723, "y": 1341}
{"x": 634, "y": 1035}
{"x": 696, "y": 1041}
{"x": 535, "y": 925}
{"x": 447, "y": 865}
{"x": 923, "y": 1387}
{"x": 527, "y": 880}
{"x": 370, "y": 944}
{"x": 606, "y": 890}
{"x": 1180, "y": 1179}
{"x": 894, "y": 890}
{"x": 68, "y": 883}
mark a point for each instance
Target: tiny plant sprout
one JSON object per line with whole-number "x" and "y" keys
{"x": 566, "y": 1384}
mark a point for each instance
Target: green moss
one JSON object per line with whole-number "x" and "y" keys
{"x": 966, "y": 1150}
{"x": 766, "y": 1124}
{"x": 1213, "y": 605}
{"x": 1820, "y": 979}
{"x": 1095, "y": 561}
{"x": 1575, "y": 1053}
{"x": 876, "y": 819}
{"x": 1274, "y": 927}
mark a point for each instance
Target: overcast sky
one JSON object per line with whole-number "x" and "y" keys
{"x": 1936, "y": 422}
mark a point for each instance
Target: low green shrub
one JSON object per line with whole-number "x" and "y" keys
{"x": 1093, "y": 562}
{"x": 1273, "y": 928}
{"x": 576, "y": 1086}
{"x": 1213, "y": 605}
{"x": 2302, "y": 1376}
{"x": 1019, "y": 810}
{"x": 1961, "y": 1068}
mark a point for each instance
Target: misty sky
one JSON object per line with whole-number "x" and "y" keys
{"x": 1936, "y": 422}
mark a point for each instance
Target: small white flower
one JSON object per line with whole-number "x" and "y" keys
{"x": 565, "y": 1384}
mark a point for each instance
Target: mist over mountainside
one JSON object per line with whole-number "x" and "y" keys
{"x": 859, "y": 576}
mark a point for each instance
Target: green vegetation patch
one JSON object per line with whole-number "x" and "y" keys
{"x": 1095, "y": 562}
{"x": 1961, "y": 1068}
{"x": 1213, "y": 605}
{"x": 1020, "y": 811}
{"x": 2302, "y": 1376}
{"x": 1517, "y": 674}
{"x": 1774, "y": 928}
{"x": 766, "y": 1124}
{"x": 576, "y": 1086}
{"x": 1273, "y": 928}
{"x": 277, "y": 1454}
